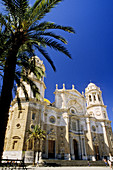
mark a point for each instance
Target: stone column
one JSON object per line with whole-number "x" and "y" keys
{"x": 71, "y": 148}
{"x": 90, "y": 143}
{"x": 105, "y": 139}
{"x": 97, "y": 97}
{"x": 83, "y": 149}
{"x": 67, "y": 148}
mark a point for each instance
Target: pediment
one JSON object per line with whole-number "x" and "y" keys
{"x": 74, "y": 93}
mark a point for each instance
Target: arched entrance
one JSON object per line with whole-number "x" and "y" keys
{"x": 75, "y": 146}
{"x": 51, "y": 149}
{"x": 96, "y": 149}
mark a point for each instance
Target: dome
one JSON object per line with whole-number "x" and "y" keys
{"x": 91, "y": 84}
{"x": 47, "y": 101}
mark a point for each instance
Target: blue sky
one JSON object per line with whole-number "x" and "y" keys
{"x": 91, "y": 48}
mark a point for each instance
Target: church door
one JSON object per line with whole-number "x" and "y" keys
{"x": 75, "y": 149}
{"x": 51, "y": 149}
{"x": 96, "y": 149}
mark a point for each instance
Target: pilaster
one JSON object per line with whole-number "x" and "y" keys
{"x": 89, "y": 139}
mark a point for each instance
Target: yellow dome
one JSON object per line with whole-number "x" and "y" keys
{"x": 46, "y": 100}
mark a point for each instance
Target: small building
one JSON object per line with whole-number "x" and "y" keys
{"x": 77, "y": 125}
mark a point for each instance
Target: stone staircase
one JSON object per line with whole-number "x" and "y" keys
{"x": 54, "y": 162}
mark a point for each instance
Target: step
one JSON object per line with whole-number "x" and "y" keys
{"x": 54, "y": 162}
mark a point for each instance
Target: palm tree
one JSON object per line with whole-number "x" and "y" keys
{"x": 36, "y": 134}
{"x": 22, "y": 34}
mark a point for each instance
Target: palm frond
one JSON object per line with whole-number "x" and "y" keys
{"x": 9, "y": 5}
{"x": 16, "y": 7}
{"x": 17, "y": 97}
{"x": 21, "y": 84}
{"x": 51, "y": 34}
{"x": 52, "y": 44}
{"x": 37, "y": 2}
{"x": 33, "y": 86}
{"x": 50, "y": 25}
{"x": 42, "y": 8}
{"x": 3, "y": 22}
{"x": 45, "y": 54}
{"x": 36, "y": 133}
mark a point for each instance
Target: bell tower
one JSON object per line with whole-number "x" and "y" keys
{"x": 38, "y": 82}
{"x": 95, "y": 104}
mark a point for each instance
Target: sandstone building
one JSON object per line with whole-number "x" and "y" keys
{"x": 77, "y": 125}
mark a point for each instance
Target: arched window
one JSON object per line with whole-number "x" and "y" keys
{"x": 104, "y": 115}
{"x": 99, "y": 97}
{"x": 94, "y": 98}
{"x": 90, "y": 99}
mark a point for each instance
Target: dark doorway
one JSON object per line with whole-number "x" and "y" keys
{"x": 75, "y": 149}
{"x": 96, "y": 149}
{"x": 51, "y": 149}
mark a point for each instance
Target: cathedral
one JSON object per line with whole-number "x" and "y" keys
{"x": 77, "y": 125}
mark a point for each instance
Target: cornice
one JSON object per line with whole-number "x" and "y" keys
{"x": 56, "y": 109}
{"x": 89, "y": 91}
{"x": 67, "y": 92}
{"x": 31, "y": 100}
{"x": 99, "y": 120}
{"x": 94, "y": 105}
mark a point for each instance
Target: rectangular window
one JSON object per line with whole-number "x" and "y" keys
{"x": 74, "y": 126}
{"x": 14, "y": 144}
{"x": 20, "y": 114}
{"x": 33, "y": 116}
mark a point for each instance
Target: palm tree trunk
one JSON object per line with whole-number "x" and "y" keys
{"x": 6, "y": 94}
{"x": 33, "y": 151}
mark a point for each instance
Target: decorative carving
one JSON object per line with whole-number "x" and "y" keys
{"x": 98, "y": 113}
{"x": 73, "y": 87}
{"x": 56, "y": 86}
{"x": 52, "y": 134}
{"x": 63, "y": 86}
{"x": 76, "y": 105}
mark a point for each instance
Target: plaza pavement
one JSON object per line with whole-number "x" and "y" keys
{"x": 59, "y": 168}
{"x": 69, "y": 168}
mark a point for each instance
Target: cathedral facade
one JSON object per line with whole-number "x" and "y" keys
{"x": 77, "y": 125}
